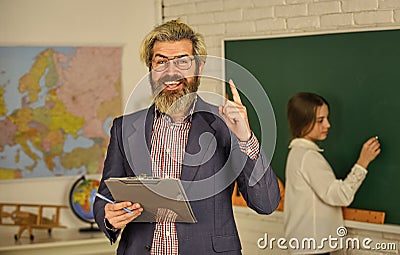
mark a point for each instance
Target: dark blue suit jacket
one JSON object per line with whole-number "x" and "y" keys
{"x": 214, "y": 158}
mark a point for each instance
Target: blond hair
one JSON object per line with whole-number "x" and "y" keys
{"x": 174, "y": 30}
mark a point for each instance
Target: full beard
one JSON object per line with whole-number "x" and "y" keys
{"x": 177, "y": 101}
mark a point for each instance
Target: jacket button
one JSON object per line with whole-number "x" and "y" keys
{"x": 148, "y": 247}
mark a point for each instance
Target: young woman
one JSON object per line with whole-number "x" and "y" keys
{"x": 313, "y": 195}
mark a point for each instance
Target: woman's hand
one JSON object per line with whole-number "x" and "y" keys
{"x": 369, "y": 151}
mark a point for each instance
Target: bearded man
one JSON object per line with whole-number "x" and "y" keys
{"x": 168, "y": 140}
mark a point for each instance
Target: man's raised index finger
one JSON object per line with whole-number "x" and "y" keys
{"x": 235, "y": 93}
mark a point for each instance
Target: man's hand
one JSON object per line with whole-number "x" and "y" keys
{"x": 118, "y": 217}
{"x": 235, "y": 115}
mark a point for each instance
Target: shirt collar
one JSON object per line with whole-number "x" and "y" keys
{"x": 304, "y": 143}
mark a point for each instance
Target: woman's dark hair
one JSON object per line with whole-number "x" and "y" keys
{"x": 301, "y": 112}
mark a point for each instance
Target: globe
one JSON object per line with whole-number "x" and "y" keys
{"x": 81, "y": 199}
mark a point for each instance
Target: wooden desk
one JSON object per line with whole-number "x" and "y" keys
{"x": 61, "y": 241}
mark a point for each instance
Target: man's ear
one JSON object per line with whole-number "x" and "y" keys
{"x": 201, "y": 66}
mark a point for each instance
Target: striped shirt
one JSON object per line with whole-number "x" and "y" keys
{"x": 168, "y": 142}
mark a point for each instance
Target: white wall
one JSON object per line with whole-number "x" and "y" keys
{"x": 74, "y": 23}
{"x": 219, "y": 19}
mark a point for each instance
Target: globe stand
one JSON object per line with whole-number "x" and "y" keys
{"x": 91, "y": 229}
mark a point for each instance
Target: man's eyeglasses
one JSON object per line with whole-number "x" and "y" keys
{"x": 161, "y": 64}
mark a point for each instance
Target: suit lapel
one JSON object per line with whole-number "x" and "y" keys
{"x": 201, "y": 143}
{"x": 139, "y": 142}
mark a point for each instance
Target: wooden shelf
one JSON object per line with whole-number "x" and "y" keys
{"x": 61, "y": 242}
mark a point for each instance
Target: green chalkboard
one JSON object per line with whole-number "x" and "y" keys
{"x": 359, "y": 74}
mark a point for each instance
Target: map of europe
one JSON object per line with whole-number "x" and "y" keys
{"x": 56, "y": 108}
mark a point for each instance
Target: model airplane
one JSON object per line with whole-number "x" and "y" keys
{"x": 30, "y": 216}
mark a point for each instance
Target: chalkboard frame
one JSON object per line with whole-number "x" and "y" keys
{"x": 374, "y": 183}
